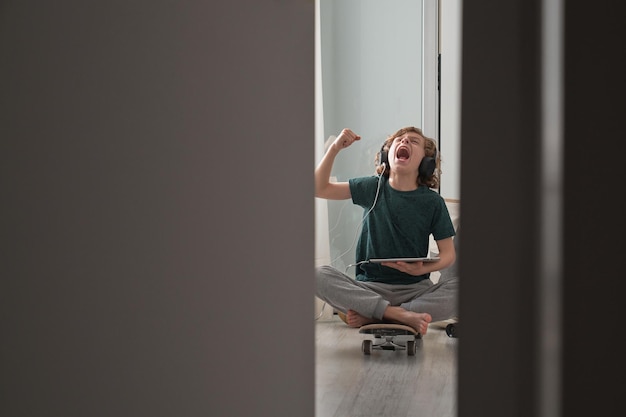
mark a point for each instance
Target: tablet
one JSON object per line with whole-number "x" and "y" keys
{"x": 424, "y": 259}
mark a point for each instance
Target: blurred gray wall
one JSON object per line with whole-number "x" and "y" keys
{"x": 157, "y": 208}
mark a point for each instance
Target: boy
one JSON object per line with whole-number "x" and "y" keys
{"x": 401, "y": 212}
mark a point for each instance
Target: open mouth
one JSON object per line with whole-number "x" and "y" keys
{"x": 402, "y": 154}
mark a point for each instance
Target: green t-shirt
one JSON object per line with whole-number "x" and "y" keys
{"x": 399, "y": 225}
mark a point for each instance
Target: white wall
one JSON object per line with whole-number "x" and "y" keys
{"x": 450, "y": 140}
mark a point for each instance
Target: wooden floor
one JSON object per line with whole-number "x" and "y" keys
{"x": 386, "y": 383}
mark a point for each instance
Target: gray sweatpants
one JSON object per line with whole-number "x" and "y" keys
{"x": 370, "y": 299}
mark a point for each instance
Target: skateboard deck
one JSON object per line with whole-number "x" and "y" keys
{"x": 390, "y": 336}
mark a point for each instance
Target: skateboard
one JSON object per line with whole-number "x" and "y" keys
{"x": 395, "y": 336}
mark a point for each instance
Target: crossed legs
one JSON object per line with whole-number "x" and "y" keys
{"x": 370, "y": 302}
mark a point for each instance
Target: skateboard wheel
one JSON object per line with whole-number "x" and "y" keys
{"x": 366, "y": 347}
{"x": 411, "y": 348}
{"x": 452, "y": 330}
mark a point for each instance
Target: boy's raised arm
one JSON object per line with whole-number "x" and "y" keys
{"x": 324, "y": 188}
